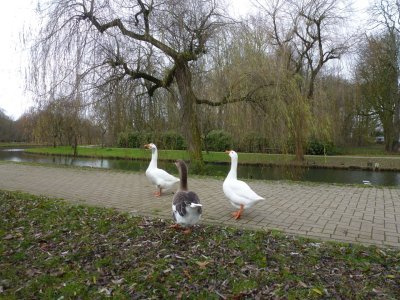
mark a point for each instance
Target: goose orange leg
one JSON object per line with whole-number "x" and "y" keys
{"x": 187, "y": 231}
{"x": 179, "y": 227}
{"x": 157, "y": 193}
{"x": 175, "y": 226}
{"x": 238, "y": 213}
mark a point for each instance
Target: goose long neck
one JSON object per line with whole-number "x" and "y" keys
{"x": 154, "y": 156}
{"x": 183, "y": 177}
{"x": 233, "y": 172}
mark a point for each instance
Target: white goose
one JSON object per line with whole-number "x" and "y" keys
{"x": 238, "y": 192}
{"x": 186, "y": 207}
{"x": 160, "y": 178}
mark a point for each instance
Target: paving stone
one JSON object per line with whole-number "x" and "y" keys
{"x": 391, "y": 238}
{"x": 365, "y": 215}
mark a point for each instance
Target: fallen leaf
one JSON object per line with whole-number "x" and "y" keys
{"x": 117, "y": 281}
{"x": 377, "y": 291}
{"x": 303, "y": 284}
{"x": 381, "y": 252}
{"x": 168, "y": 270}
{"x": 8, "y": 237}
{"x": 105, "y": 291}
{"x": 202, "y": 264}
{"x": 318, "y": 291}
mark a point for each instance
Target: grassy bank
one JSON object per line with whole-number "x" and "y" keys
{"x": 129, "y": 153}
{"x": 370, "y": 150}
{"x": 17, "y": 145}
{"x": 388, "y": 162}
{"x": 50, "y": 249}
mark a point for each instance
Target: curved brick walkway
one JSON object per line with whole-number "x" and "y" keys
{"x": 367, "y": 215}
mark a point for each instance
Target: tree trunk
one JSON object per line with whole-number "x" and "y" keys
{"x": 103, "y": 133}
{"x": 388, "y": 133}
{"x": 187, "y": 102}
{"x": 388, "y": 143}
{"x": 75, "y": 146}
{"x": 299, "y": 142}
{"x": 300, "y": 128}
{"x": 396, "y": 142}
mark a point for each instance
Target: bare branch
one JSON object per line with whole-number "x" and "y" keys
{"x": 249, "y": 97}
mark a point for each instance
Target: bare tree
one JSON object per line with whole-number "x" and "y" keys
{"x": 386, "y": 16}
{"x": 377, "y": 75}
{"x": 154, "y": 42}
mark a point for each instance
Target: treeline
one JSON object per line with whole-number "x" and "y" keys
{"x": 217, "y": 140}
{"x": 55, "y": 124}
{"x": 10, "y": 130}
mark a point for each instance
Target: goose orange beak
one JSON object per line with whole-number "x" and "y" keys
{"x": 228, "y": 151}
{"x": 147, "y": 146}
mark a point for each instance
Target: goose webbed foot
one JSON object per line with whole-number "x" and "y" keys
{"x": 175, "y": 226}
{"x": 187, "y": 231}
{"x": 237, "y": 214}
{"x": 179, "y": 227}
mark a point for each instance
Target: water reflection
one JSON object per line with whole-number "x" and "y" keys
{"x": 387, "y": 178}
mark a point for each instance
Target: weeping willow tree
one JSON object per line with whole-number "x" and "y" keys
{"x": 242, "y": 76}
{"x": 305, "y": 36}
{"x": 272, "y": 65}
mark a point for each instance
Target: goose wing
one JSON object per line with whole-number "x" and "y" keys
{"x": 160, "y": 176}
{"x": 238, "y": 189}
{"x": 183, "y": 199}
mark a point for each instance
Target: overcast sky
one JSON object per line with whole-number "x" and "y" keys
{"x": 17, "y": 15}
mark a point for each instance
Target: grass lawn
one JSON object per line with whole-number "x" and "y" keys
{"x": 16, "y": 145}
{"x": 134, "y": 153}
{"x": 53, "y": 250}
{"x": 341, "y": 161}
{"x": 370, "y": 150}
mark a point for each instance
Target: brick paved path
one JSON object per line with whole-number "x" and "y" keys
{"x": 367, "y": 215}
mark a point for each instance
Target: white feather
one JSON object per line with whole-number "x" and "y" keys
{"x": 190, "y": 218}
{"x": 160, "y": 178}
{"x": 238, "y": 192}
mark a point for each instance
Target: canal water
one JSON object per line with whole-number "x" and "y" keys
{"x": 377, "y": 178}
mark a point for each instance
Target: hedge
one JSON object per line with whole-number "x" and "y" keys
{"x": 218, "y": 140}
{"x": 169, "y": 140}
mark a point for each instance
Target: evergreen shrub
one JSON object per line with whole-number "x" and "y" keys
{"x": 218, "y": 140}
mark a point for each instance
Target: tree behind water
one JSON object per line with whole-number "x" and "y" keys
{"x": 153, "y": 42}
{"x": 377, "y": 73}
{"x": 305, "y": 36}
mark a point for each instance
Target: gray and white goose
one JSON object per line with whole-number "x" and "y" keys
{"x": 186, "y": 207}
